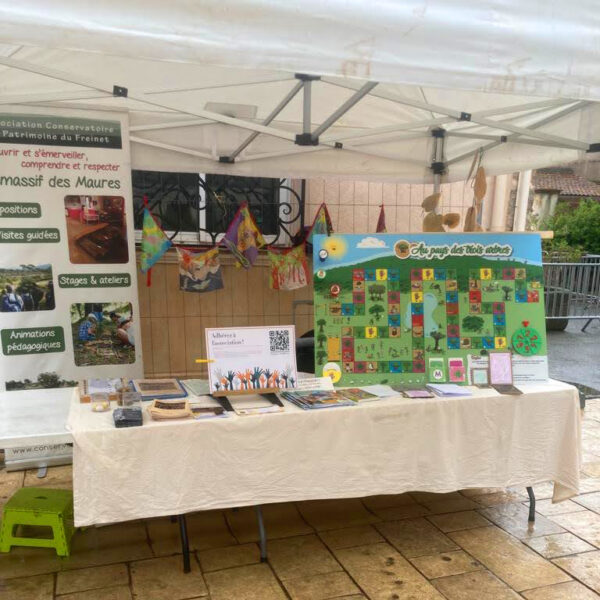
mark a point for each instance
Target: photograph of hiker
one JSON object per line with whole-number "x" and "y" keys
{"x": 26, "y": 288}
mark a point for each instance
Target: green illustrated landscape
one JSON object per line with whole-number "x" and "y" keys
{"x": 391, "y": 320}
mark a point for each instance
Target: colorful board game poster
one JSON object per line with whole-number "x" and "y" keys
{"x": 393, "y": 308}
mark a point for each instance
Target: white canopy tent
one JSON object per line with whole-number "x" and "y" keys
{"x": 377, "y": 90}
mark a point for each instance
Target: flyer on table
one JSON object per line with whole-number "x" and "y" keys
{"x": 68, "y": 293}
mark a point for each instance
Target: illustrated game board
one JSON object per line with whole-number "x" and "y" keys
{"x": 417, "y": 308}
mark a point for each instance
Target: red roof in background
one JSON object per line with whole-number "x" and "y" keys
{"x": 565, "y": 182}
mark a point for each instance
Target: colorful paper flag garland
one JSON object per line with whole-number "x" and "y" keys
{"x": 154, "y": 243}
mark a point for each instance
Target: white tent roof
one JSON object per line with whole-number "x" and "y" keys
{"x": 518, "y": 78}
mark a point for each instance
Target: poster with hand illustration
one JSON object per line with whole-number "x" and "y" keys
{"x": 251, "y": 359}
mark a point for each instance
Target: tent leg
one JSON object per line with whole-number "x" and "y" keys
{"x": 185, "y": 545}
{"x": 262, "y": 534}
{"x": 531, "y": 495}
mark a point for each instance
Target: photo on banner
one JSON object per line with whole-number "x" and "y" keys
{"x": 96, "y": 229}
{"x": 26, "y": 288}
{"x": 103, "y": 333}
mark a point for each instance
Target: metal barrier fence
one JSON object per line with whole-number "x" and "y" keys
{"x": 572, "y": 292}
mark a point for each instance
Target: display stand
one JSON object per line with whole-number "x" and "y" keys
{"x": 266, "y": 393}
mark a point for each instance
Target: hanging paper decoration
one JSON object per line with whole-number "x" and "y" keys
{"x": 154, "y": 243}
{"x": 289, "y": 268}
{"x": 381, "y": 221}
{"x": 321, "y": 224}
{"x": 199, "y": 271}
{"x": 243, "y": 237}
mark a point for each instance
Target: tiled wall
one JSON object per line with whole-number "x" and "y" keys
{"x": 354, "y": 205}
{"x": 173, "y": 322}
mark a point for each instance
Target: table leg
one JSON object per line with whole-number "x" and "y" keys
{"x": 531, "y": 505}
{"x": 262, "y": 534}
{"x": 185, "y": 546}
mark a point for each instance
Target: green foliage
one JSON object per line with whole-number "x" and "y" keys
{"x": 575, "y": 230}
{"x": 473, "y": 323}
{"x": 49, "y": 380}
{"x": 377, "y": 310}
{"x": 376, "y": 291}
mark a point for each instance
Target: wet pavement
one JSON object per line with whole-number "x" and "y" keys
{"x": 574, "y": 355}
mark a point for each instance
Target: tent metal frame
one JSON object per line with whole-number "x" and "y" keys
{"x": 310, "y": 140}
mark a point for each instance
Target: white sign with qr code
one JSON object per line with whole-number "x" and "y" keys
{"x": 251, "y": 358}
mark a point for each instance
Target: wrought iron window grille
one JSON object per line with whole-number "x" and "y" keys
{"x": 196, "y": 209}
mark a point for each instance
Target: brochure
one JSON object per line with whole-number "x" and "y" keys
{"x": 448, "y": 389}
{"x": 357, "y": 394}
{"x": 319, "y": 399}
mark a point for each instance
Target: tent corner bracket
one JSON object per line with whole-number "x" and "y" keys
{"x": 438, "y": 168}
{"x": 120, "y": 91}
{"x": 228, "y": 160}
{"x": 593, "y": 148}
{"x": 438, "y": 132}
{"x": 306, "y": 139}
{"x": 304, "y": 77}
{"x": 464, "y": 116}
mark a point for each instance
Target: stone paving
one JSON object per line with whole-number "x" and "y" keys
{"x": 467, "y": 545}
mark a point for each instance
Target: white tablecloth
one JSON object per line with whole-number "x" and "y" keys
{"x": 388, "y": 446}
{"x": 35, "y": 417}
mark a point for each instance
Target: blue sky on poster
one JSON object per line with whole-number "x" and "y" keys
{"x": 348, "y": 249}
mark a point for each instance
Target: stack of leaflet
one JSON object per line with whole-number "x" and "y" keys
{"x": 309, "y": 400}
{"x": 358, "y": 395}
{"x": 448, "y": 389}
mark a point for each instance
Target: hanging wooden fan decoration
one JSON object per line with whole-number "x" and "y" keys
{"x": 435, "y": 221}
{"x": 479, "y": 184}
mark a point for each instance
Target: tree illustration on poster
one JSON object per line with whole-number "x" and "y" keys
{"x": 68, "y": 298}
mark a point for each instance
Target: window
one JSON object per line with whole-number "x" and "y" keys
{"x": 197, "y": 208}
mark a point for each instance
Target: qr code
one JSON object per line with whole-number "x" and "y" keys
{"x": 279, "y": 340}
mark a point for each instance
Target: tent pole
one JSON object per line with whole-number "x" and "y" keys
{"x": 498, "y": 211}
{"x": 391, "y": 129}
{"x": 437, "y": 164}
{"x": 343, "y": 109}
{"x": 288, "y": 98}
{"x": 501, "y": 138}
{"x": 207, "y": 114}
{"x": 136, "y": 140}
{"x": 306, "y": 123}
{"x": 509, "y": 138}
{"x": 522, "y": 204}
{"x": 475, "y": 118}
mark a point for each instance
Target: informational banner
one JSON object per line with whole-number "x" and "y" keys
{"x": 68, "y": 294}
{"x": 417, "y": 308}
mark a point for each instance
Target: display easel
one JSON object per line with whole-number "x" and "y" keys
{"x": 269, "y": 394}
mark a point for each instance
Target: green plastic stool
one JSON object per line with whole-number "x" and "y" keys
{"x": 39, "y": 507}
